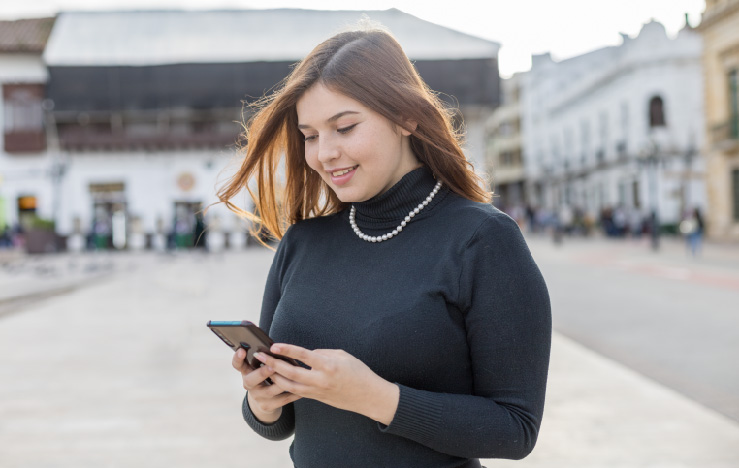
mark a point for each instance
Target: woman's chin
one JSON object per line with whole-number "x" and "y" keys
{"x": 350, "y": 196}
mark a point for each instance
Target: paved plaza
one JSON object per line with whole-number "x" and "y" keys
{"x": 119, "y": 370}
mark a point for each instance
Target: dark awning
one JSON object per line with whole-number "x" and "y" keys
{"x": 212, "y": 85}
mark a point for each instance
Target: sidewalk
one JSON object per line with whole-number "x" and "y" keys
{"x": 175, "y": 402}
{"x": 600, "y": 414}
{"x": 26, "y": 278}
{"x": 672, "y": 249}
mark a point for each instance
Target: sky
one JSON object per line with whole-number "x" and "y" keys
{"x": 565, "y": 28}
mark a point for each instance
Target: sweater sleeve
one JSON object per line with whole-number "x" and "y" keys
{"x": 507, "y": 314}
{"x": 284, "y": 427}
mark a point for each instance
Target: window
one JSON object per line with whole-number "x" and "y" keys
{"x": 656, "y": 112}
{"x": 734, "y": 103}
{"x": 622, "y": 150}
{"x": 625, "y": 121}
{"x": 635, "y": 194}
{"x": 23, "y": 117}
{"x": 603, "y": 135}
{"x": 569, "y": 146}
{"x": 585, "y": 141}
{"x": 735, "y": 192}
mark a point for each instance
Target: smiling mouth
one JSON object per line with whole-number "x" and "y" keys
{"x": 343, "y": 171}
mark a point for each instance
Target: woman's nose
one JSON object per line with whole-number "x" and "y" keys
{"x": 327, "y": 150}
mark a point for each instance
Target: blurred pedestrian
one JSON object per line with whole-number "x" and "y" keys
{"x": 636, "y": 222}
{"x": 5, "y": 239}
{"x": 416, "y": 304}
{"x": 531, "y": 218}
{"x": 566, "y": 218}
{"x": 620, "y": 221}
{"x": 692, "y": 228}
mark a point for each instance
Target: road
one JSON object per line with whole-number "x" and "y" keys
{"x": 671, "y": 317}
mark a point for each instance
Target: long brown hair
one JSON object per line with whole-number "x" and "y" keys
{"x": 370, "y": 67}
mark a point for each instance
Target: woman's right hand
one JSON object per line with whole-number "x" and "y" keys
{"x": 266, "y": 401}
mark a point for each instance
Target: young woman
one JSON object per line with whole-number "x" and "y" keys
{"x": 414, "y": 302}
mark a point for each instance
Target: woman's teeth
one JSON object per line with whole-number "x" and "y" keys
{"x": 342, "y": 172}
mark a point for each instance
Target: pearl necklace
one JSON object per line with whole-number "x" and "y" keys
{"x": 396, "y": 231}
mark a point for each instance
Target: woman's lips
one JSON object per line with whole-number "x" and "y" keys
{"x": 343, "y": 178}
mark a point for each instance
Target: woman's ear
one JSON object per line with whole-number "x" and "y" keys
{"x": 409, "y": 127}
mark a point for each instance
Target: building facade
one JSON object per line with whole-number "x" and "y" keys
{"x": 619, "y": 128}
{"x": 504, "y": 151}
{"x": 27, "y": 173}
{"x": 720, "y": 30}
{"x": 146, "y": 109}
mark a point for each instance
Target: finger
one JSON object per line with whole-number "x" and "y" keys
{"x": 239, "y": 361}
{"x": 296, "y": 352}
{"x": 285, "y": 369}
{"x": 272, "y": 391}
{"x": 287, "y": 397}
{"x": 271, "y": 404}
{"x": 257, "y": 377}
{"x": 288, "y": 385}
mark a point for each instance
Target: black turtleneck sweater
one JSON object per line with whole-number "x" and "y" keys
{"x": 453, "y": 310}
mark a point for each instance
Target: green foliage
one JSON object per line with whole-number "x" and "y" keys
{"x": 40, "y": 224}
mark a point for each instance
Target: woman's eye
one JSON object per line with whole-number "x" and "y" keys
{"x": 310, "y": 137}
{"x": 346, "y": 129}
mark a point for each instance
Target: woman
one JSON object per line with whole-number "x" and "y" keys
{"x": 416, "y": 305}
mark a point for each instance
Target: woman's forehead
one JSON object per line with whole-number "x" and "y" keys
{"x": 320, "y": 103}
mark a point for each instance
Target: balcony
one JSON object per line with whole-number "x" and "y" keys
{"x": 25, "y": 141}
{"x": 147, "y": 131}
{"x": 725, "y": 136}
{"x": 76, "y": 139}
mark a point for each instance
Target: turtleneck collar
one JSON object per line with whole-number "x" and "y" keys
{"x": 388, "y": 209}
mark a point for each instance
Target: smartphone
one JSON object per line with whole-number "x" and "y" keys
{"x": 246, "y": 335}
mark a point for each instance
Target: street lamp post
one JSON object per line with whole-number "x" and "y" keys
{"x": 688, "y": 179}
{"x": 650, "y": 158}
{"x": 554, "y": 203}
{"x": 58, "y": 163}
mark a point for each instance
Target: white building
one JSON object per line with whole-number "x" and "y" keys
{"x": 26, "y": 168}
{"x": 145, "y": 105}
{"x": 619, "y": 126}
{"x": 505, "y": 148}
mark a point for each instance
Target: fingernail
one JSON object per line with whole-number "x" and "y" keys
{"x": 275, "y": 348}
{"x": 259, "y": 356}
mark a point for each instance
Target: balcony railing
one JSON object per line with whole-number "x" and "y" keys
{"x": 78, "y": 138}
{"x": 726, "y": 133}
{"x": 25, "y": 141}
{"x": 161, "y": 129}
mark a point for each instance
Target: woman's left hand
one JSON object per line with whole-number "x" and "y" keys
{"x": 336, "y": 378}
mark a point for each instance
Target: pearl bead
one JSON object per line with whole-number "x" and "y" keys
{"x": 397, "y": 230}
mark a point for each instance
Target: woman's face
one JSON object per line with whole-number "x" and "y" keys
{"x": 358, "y": 152}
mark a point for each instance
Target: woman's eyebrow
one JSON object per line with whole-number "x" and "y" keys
{"x": 333, "y": 118}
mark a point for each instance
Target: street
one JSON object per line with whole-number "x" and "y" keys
{"x": 670, "y": 317}
{"x": 123, "y": 372}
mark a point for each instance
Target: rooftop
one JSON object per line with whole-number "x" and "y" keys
{"x": 141, "y": 38}
{"x": 25, "y": 35}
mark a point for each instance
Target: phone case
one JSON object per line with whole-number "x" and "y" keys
{"x": 246, "y": 335}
